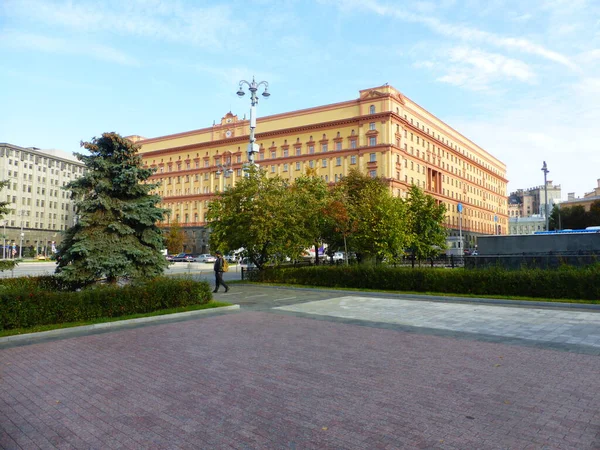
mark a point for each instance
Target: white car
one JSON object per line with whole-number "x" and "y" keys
{"x": 206, "y": 258}
{"x": 338, "y": 256}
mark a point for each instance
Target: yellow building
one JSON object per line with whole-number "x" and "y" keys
{"x": 382, "y": 133}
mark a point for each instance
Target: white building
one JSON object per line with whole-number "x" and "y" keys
{"x": 526, "y": 225}
{"x": 40, "y": 208}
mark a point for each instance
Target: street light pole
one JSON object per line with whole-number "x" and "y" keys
{"x": 545, "y": 170}
{"x": 253, "y": 87}
{"x": 4, "y": 240}
{"x": 22, "y": 235}
{"x": 460, "y": 240}
{"x": 224, "y": 168}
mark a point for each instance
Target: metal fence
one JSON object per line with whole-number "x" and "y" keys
{"x": 535, "y": 261}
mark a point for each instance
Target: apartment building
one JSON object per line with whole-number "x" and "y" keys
{"x": 382, "y": 133}
{"x": 526, "y": 208}
{"x": 528, "y": 202}
{"x": 40, "y": 208}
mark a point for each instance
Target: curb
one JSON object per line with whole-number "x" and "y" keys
{"x": 114, "y": 325}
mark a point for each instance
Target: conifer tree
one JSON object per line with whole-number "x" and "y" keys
{"x": 116, "y": 235}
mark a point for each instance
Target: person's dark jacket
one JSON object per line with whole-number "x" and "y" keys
{"x": 218, "y": 264}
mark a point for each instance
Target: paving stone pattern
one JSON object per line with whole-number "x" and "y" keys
{"x": 537, "y": 324}
{"x": 258, "y": 380}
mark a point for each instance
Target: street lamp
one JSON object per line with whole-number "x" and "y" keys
{"x": 460, "y": 210}
{"x": 253, "y": 87}
{"x": 4, "y": 240}
{"x": 224, "y": 167}
{"x": 22, "y": 236}
{"x": 545, "y": 170}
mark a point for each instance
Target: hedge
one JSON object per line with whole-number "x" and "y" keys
{"x": 31, "y": 301}
{"x": 566, "y": 282}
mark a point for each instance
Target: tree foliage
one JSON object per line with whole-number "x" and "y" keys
{"x": 574, "y": 217}
{"x": 310, "y": 195}
{"x": 376, "y": 217}
{"x": 424, "y": 221}
{"x": 272, "y": 219}
{"x": 116, "y": 235}
{"x": 260, "y": 215}
{"x": 174, "y": 238}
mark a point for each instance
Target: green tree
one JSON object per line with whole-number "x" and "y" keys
{"x": 425, "y": 224}
{"x": 594, "y": 214}
{"x": 174, "y": 238}
{"x": 574, "y": 217}
{"x": 116, "y": 235}
{"x": 259, "y": 215}
{"x": 555, "y": 219}
{"x": 376, "y": 216}
{"x": 339, "y": 226}
{"x": 310, "y": 195}
{"x": 6, "y": 264}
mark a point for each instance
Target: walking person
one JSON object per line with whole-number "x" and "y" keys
{"x": 219, "y": 263}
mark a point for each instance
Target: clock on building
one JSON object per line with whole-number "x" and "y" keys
{"x": 228, "y": 133}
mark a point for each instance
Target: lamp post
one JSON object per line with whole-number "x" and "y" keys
{"x": 460, "y": 240}
{"x": 253, "y": 87}
{"x": 224, "y": 167}
{"x": 545, "y": 170}
{"x": 4, "y": 240}
{"x": 22, "y": 236}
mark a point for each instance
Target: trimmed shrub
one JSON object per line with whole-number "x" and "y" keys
{"x": 27, "y": 302}
{"x": 565, "y": 282}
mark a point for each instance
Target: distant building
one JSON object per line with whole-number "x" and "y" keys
{"x": 585, "y": 201}
{"x": 382, "y": 133}
{"x": 529, "y": 202}
{"x": 39, "y": 205}
{"x": 526, "y": 225}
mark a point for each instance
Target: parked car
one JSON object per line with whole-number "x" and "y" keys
{"x": 183, "y": 257}
{"x": 170, "y": 257}
{"x": 338, "y": 256}
{"x": 205, "y": 258}
{"x": 232, "y": 257}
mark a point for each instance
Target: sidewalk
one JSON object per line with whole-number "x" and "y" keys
{"x": 277, "y": 378}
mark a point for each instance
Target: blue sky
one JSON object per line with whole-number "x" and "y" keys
{"x": 519, "y": 78}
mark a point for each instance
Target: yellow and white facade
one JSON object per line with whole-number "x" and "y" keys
{"x": 382, "y": 133}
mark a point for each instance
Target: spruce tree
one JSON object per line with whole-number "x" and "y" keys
{"x": 116, "y": 235}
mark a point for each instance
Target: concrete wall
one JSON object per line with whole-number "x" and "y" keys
{"x": 539, "y": 244}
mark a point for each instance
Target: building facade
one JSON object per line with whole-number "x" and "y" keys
{"x": 585, "y": 201}
{"x": 40, "y": 208}
{"x": 529, "y": 202}
{"x": 526, "y": 225}
{"x": 382, "y": 133}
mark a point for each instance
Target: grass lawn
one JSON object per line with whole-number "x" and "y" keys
{"x": 39, "y": 328}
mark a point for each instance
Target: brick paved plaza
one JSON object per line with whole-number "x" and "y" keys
{"x": 264, "y": 378}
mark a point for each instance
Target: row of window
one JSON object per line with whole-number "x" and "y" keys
{"x": 38, "y": 159}
{"x": 40, "y": 179}
{"x": 452, "y": 145}
{"x": 273, "y": 154}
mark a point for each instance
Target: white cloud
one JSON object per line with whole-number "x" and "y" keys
{"x": 477, "y": 70}
{"x": 17, "y": 40}
{"x": 461, "y": 32}
{"x": 210, "y": 27}
{"x": 559, "y": 128}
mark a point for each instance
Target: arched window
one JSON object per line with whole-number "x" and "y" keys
{"x": 372, "y": 109}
